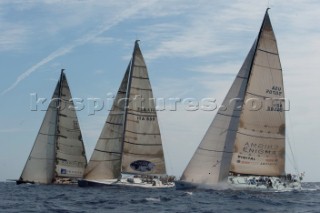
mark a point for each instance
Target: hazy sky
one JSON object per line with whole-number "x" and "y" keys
{"x": 193, "y": 49}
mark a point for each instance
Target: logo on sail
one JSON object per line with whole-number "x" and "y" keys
{"x": 142, "y": 166}
{"x": 63, "y": 171}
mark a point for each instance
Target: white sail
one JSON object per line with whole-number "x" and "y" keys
{"x": 244, "y": 137}
{"x": 106, "y": 157}
{"x": 70, "y": 153}
{"x": 40, "y": 164}
{"x": 130, "y": 141}
{"x": 58, "y": 150}
{"x": 260, "y": 141}
{"x": 142, "y": 145}
{"x": 210, "y": 162}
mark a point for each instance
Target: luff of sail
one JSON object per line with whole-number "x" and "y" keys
{"x": 260, "y": 141}
{"x": 58, "y": 150}
{"x": 142, "y": 151}
{"x": 106, "y": 157}
{"x": 70, "y": 153}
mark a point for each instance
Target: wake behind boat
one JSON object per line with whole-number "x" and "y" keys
{"x": 129, "y": 150}
{"x": 244, "y": 147}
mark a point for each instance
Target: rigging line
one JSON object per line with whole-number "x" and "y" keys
{"x": 295, "y": 165}
{"x": 293, "y": 159}
{"x": 165, "y": 154}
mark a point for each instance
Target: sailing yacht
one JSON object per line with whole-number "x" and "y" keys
{"x": 129, "y": 150}
{"x": 58, "y": 154}
{"x": 244, "y": 147}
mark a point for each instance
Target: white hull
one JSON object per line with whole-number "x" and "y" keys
{"x": 136, "y": 182}
{"x": 264, "y": 183}
{"x": 259, "y": 183}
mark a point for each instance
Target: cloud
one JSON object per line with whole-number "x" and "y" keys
{"x": 204, "y": 34}
{"x": 82, "y": 40}
{"x": 13, "y": 36}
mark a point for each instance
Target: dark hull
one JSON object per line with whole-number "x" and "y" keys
{"x": 87, "y": 183}
{"x": 18, "y": 182}
{"x": 183, "y": 185}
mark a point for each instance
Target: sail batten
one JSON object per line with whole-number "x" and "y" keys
{"x": 142, "y": 144}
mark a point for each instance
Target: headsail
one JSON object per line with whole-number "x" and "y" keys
{"x": 211, "y": 161}
{"x": 58, "y": 150}
{"x": 142, "y": 145}
{"x": 41, "y": 161}
{"x": 106, "y": 157}
{"x": 237, "y": 128}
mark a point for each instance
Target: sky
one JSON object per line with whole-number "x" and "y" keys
{"x": 193, "y": 49}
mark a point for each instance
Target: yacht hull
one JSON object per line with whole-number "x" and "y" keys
{"x": 264, "y": 183}
{"x": 259, "y": 183}
{"x": 123, "y": 183}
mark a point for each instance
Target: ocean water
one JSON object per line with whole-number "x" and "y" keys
{"x": 71, "y": 198}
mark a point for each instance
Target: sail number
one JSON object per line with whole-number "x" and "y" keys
{"x": 275, "y": 90}
{"x": 143, "y": 117}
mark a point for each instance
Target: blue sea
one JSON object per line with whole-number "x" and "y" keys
{"x": 71, "y": 198}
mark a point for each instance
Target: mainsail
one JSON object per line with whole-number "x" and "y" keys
{"x": 130, "y": 141}
{"x": 260, "y": 141}
{"x": 58, "y": 150}
{"x": 247, "y": 133}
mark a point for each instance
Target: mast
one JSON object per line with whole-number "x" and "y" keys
{"x": 57, "y": 125}
{"x": 136, "y": 44}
